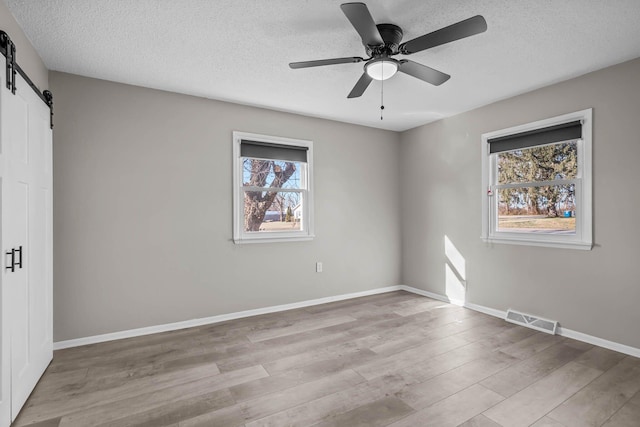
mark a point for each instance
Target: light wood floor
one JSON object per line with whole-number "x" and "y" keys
{"x": 392, "y": 359}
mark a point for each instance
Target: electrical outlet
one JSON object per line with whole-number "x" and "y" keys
{"x": 318, "y": 267}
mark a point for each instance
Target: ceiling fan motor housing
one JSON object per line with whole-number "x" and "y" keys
{"x": 392, "y": 36}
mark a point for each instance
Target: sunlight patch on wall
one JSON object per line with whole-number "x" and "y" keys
{"x": 455, "y": 258}
{"x": 455, "y": 273}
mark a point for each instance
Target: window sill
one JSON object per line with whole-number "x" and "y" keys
{"x": 544, "y": 243}
{"x": 242, "y": 241}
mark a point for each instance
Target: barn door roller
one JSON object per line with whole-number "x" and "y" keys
{"x": 8, "y": 49}
{"x": 10, "y": 57}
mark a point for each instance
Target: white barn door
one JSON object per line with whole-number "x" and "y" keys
{"x": 26, "y": 173}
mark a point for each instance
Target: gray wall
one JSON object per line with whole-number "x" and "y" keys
{"x": 594, "y": 292}
{"x": 142, "y": 210}
{"x": 26, "y": 55}
{"x": 143, "y": 220}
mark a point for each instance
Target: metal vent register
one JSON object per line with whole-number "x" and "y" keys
{"x": 533, "y": 322}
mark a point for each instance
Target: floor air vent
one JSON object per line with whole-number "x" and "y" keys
{"x": 533, "y": 322}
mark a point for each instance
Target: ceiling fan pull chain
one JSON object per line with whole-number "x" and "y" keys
{"x": 381, "y": 98}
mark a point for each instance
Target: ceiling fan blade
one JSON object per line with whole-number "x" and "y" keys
{"x": 423, "y": 72}
{"x": 361, "y": 86}
{"x": 320, "y": 62}
{"x": 466, "y": 28}
{"x": 359, "y": 16}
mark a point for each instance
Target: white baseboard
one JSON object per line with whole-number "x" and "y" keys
{"x": 569, "y": 333}
{"x": 600, "y": 342}
{"x": 213, "y": 319}
{"x": 431, "y": 295}
{"x": 632, "y": 351}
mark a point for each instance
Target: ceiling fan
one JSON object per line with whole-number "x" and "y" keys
{"x": 382, "y": 41}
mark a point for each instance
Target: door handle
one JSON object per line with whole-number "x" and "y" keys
{"x": 19, "y": 251}
{"x": 13, "y": 264}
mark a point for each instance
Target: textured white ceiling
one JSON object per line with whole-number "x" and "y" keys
{"x": 239, "y": 50}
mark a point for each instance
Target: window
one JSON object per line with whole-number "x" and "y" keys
{"x": 273, "y": 192}
{"x": 537, "y": 183}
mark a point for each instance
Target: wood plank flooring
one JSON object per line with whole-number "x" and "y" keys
{"x": 394, "y": 359}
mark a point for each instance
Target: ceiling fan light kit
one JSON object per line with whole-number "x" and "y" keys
{"x": 381, "y": 68}
{"x": 382, "y": 41}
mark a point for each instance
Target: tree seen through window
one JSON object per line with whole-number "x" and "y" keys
{"x": 539, "y": 193}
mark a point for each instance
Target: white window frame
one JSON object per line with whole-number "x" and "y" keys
{"x": 306, "y": 232}
{"x": 583, "y": 238}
